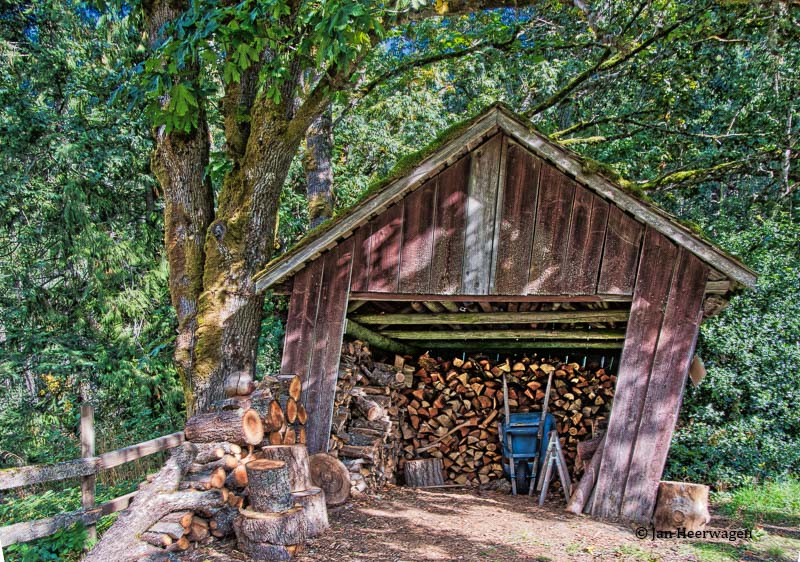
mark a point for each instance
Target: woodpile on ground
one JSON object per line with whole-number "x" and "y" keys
{"x": 248, "y": 452}
{"x": 454, "y": 406}
{"x": 365, "y": 434}
{"x": 386, "y": 415}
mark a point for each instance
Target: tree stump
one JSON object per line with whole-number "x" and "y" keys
{"x": 313, "y": 502}
{"x": 296, "y": 459}
{"x": 681, "y": 504}
{"x": 332, "y": 476}
{"x": 284, "y": 528}
{"x": 242, "y": 427}
{"x": 268, "y": 486}
{"x": 421, "y": 473}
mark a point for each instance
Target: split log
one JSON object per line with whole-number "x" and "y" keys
{"x": 295, "y": 388}
{"x": 208, "y": 452}
{"x": 384, "y": 375}
{"x": 155, "y": 500}
{"x": 268, "y": 486}
{"x": 332, "y": 476}
{"x": 370, "y": 409}
{"x": 239, "y": 383}
{"x": 284, "y": 528}
{"x": 313, "y": 503}
{"x": 302, "y": 414}
{"x": 681, "y": 504}
{"x": 157, "y": 539}
{"x": 291, "y": 410}
{"x": 296, "y": 459}
{"x": 421, "y": 473}
{"x": 235, "y": 426}
{"x": 237, "y": 478}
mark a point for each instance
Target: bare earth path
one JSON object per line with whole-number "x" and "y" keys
{"x": 404, "y": 525}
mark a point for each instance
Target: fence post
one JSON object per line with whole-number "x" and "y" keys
{"x": 87, "y": 450}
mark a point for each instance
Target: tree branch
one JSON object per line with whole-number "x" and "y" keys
{"x": 604, "y": 63}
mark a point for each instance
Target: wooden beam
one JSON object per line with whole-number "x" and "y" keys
{"x": 37, "y": 474}
{"x": 561, "y": 316}
{"x": 424, "y": 336}
{"x": 718, "y": 287}
{"x": 366, "y": 296}
{"x": 356, "y": 330}
{"x": 523, "y": 345}
{"x": 32, "y": 530}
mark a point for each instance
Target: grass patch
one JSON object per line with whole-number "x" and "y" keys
{"x": 628, "y": 552}
{"x": 773, "y": 503}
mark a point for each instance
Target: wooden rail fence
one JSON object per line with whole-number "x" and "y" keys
{"x": 85, "y": 468}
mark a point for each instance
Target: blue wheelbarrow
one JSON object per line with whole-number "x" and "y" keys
{"x": 519, "y": 436}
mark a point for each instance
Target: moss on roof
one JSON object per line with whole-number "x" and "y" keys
{"x": 410, "y": 161}
{"x": 402, "y": 167}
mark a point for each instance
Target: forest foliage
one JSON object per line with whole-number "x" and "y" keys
{"x": 705, "y": 121}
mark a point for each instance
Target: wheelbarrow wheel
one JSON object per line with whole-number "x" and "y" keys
{"x": 523, "y": 476}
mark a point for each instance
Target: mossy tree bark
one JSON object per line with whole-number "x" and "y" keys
{"x": 318, "y": 168}
{"x": 179, "y": 162}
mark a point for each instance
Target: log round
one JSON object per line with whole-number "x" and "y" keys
{"x": 370, "y": 409}
{"x": 421, "y": 473}
{"x": 332, "y": 476}
{"x": 296, "y": 459}
{"x": 681, "y": 504}
{"x": 242, "y": 427}
{"x": 268, "y": 486}
{"x": 313, "y": 502}
{"x": 286, "y": 528}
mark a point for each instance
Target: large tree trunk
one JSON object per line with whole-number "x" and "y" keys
{"x": 318, "y": 168}
{"x": 179, "y": 162}
{"x": 239, "y": 243}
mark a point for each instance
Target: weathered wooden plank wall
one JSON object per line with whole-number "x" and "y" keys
{"x": 482, "y": 194}
{"x": 662, "y": 330}
{"x": 499, "y": 222}
{"x": 665, "y": 389}
{"x": 314, "y": 332}
{"x": 448, "y": 241}
{"x": 418, "y": 228}
{"x": 517, "y": 215}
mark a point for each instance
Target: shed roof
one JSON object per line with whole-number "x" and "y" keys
{"x": 459, "y": 140}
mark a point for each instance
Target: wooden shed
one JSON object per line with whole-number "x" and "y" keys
{"x": 498, "y": 213}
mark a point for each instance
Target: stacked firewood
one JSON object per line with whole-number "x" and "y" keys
{"x": 260, "y": 436}
{"x": 365, "y": 434}
{"x": 454, "y": 408}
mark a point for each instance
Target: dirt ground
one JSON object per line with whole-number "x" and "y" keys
{"x": 404, "y": 525}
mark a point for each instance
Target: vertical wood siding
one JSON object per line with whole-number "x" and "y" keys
{"x": 644, "y": 324}
{"x": 620, "y": 254}
{"x": 517, "y": 215}
{"x": 328, "y": 344}
{"x": 556, "y": 193}
{"x": 418, "y": 228}
{"x": 484, "y": 176}
{"x": 302, "y": 319}
{"x": 499, "y": 221}
{"x": 665, "y": 388}
{"x": 448, "y": 240}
